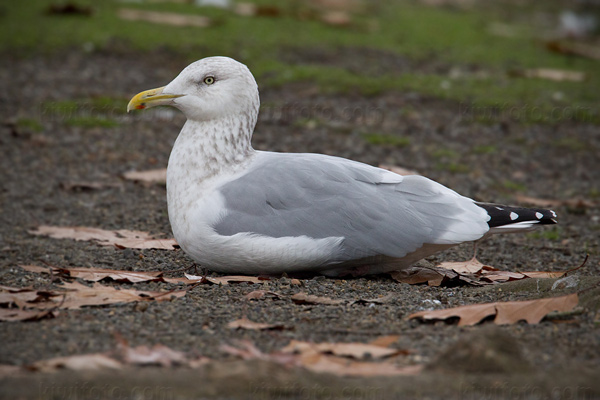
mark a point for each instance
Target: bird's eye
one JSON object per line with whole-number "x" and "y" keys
{"x": 209, "y": 80}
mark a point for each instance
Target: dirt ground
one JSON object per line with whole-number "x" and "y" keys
{"x": 554, "y": 359}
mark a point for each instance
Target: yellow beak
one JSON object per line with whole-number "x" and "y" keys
{"x": 151, "y": 98}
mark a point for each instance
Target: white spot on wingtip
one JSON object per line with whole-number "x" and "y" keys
{"x": 539, "y": 215}
{"x": 553, "y": 213}
{"x": 500, "y": 208}
{"x": 513, "y": 216}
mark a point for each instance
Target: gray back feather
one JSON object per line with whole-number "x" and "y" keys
{"x": 321, "y": 196}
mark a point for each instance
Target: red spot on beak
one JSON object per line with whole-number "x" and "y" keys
{"x": 140, "y": 106}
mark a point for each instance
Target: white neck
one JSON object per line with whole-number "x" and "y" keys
{"x": 203, "y": 152}
{"x": 205, "y": 149}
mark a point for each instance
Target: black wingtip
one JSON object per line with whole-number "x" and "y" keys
{"x": 501, "y": 215}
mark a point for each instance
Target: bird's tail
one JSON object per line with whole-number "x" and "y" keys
{"x": 505, "y": 219}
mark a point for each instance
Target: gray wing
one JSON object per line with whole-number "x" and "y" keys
{"x": 287, "y": 195}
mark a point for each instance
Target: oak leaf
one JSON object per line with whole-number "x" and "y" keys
{"x": 158, "y": 176}
{"x": 122, "y": 238}
{"x": 245, "y": 323}
{"x": 98, "y": 274}
{"x": 76, "y": 363}
{"x": 224, "y": 280}
{"x": 18, "y": 314}
{"x": 510, "y": 312}
{"x": 359, "y": 351}
{"x": 158, "y": 354}
{"x": 305, "y": 298}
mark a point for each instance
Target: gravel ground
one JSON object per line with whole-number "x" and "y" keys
{"x": 484, "y": 161}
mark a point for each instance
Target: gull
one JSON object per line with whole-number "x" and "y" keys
{"x": 234, "y": 209}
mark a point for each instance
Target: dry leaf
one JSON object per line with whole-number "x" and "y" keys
{"x": 550, "y": 74}
{"x": 80, "y": 295}
{"x": 224, "y": 280}
{"x": 158, "y": 354}
{"x": 544, "y": 274}
{"x": 246, "y": 350}
{"x": 472, "y": 266}
{"x": 97, "y": 274}
{"x": 16, "y": 314}
{"x": 510, "y": 312}
{"x": 153, "y": 176}
{"x": 92, "y": 362}
{"x": 77, "y": 295}
{"x": 399, "y": 170}
{"x": 322, "y": 363}
{"x": 261, "y": 294}
{"x": 122, "y": 238}
{"x": 245, "y": 323}
{"x": 359, "y": 351}
{"x": 305, "y": 298}
{"x": 416, "y": 275}
{"x": 470, "y": 272}
{"x": 165, "y": 18}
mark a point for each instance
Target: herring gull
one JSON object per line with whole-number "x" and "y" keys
{"x": 234, "y": 209}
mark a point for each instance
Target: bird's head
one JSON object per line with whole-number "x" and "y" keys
{"x": 211, "y": 88}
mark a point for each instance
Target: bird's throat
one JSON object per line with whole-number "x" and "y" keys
{"x": 208, "y": 148}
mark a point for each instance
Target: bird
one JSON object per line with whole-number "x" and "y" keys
{"x": 234, "y": 209}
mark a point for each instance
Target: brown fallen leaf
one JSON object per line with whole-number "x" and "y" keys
{"x": 153, "y": 176}
{"x": 98, "y": 274}
{"x": 430, "y": 275}
{"x": 158, "y": 354}
{"x": 261, "y": 294}
{"x": 25, "y": 298}
{"x": 323, "y": 363}
{"x": 225, "y": 280}
{"x": 472, "y": 266}
{"x": 165, "y": 18}
{"x": 17, "y": 314}
{"x": 470, "y": 272}
{"x": 544, "y": 274}
{"x": 73, "y": 295}
{"x": 502, "y": 276}
{"x": 305, "y": 298}
{"x": 79, "y": 295}
{"x": 122, "y": 238}
{"x": 510, "y": 312}
{"x": 246, "y": 350}
{"x": 550, "y": 74}
{"x": 84, "y": 362}
{"x": 359, "y": 351}
{"x": 245, "y": 323}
